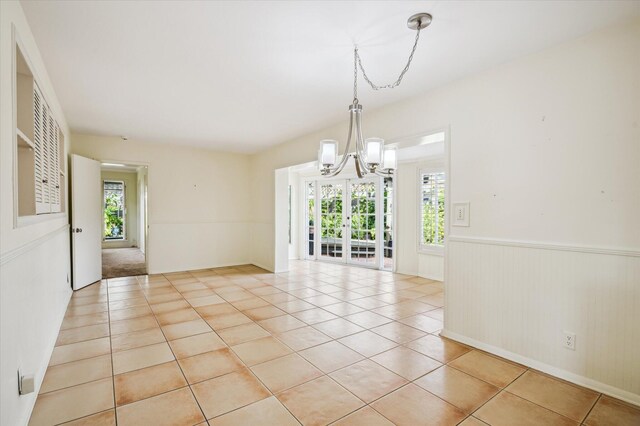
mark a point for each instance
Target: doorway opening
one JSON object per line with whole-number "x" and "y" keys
{"x": 397, "y": 224}
{"x": 354, "y": 220}
{"x": 124, "y": 219}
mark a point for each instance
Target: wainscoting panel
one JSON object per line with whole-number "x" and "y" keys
{"x": 34, "y": 294}
{"x": 520, "y": 298}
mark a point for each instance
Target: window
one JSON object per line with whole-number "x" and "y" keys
{"x": 40, "y": 147}
{"x": 114, "y": 210}
{"x": 432, "y": 203}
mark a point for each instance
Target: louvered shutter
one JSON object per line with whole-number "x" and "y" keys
{"x": 46, "y": 144}
{"x": 39, "y": 151}
{"x": 433, "y": 186}
{"x": 54, "y": 167}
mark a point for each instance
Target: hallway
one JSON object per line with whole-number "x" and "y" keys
{"x": 123, "y": 262}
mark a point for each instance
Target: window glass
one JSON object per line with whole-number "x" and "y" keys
{"x": 432, "y": 208}
{"x": 114, "y": 220}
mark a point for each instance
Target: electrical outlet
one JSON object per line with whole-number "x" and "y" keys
{"x": 26, "y": 383}
{"x": 569, "y": 341}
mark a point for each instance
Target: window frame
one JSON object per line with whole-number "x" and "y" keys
{"x": 430, "y": 168}
{"x": 125, "y": 230}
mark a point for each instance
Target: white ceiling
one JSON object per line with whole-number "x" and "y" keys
{"x": 241, "y": 76}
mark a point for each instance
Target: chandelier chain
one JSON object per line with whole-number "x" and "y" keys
{"x": 355, "y": 76}
{"x": 358, "y": 64}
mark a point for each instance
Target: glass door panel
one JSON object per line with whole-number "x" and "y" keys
{"x": 362, "y": 222}
{"x": 331, "y": 221}
{"x": 387, "y": 218}
{"x": 350, "y": 221}
{"x": 310, "y": 220}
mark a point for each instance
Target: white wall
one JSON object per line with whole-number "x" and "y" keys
{"x": 296, "y": 202}
{"x": 198, "y": 201}
{"x": 282, "y": 221}
{"x": 546, "y": 149}
{"x": 34, "y": 259}
{"x": 410, "y": 259}
{"x": 130, "y": 180}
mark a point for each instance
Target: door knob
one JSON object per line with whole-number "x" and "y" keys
{"x": 76, "y": 230}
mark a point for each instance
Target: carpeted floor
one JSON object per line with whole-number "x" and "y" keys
{"x": 122, "y": 262}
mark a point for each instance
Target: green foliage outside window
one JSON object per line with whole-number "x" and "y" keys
{"x": 433, "y": 209}
{"x": 362, "y": 213}
{"x": 113, "y": 215}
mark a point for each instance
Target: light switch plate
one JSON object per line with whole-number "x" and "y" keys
{"x": 460, "y": 214}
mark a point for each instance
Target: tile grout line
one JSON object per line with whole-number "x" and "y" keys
{"x": 176, "y": 358}
{"x": 245, "y": 365}
{"x": 168, "y": 362}
{"x": 91, "y": 381}
{"x": 543, "y": 407}
{"x": 294, "y": 352}
{"x": 142, "y": 368}
{"x": 592, "y": 407}
{"x": 497, "y": 393}
{"x": 249, "y": 368}
{"x": 300, "y": 284}
{"x": 113, "y": 374}
{"x": 109, "y": 336}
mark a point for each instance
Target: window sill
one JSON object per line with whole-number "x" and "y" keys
{"x": 40, "y": 218}
{"x": 431, "y": 250}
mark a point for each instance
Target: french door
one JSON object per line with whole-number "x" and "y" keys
{"x": 349, "y": 221}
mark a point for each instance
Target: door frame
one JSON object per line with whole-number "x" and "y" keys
{"x": 346, "y": 220}
{"x": 147, "y": 232}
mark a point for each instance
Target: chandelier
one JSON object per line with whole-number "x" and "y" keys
{"x": 370, "y": 155}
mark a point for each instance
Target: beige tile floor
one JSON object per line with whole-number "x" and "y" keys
{"x": 318, "y": 345}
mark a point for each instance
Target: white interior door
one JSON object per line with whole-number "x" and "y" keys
{"x": 86, "y": 223}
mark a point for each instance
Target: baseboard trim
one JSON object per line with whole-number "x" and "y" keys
{"x": 545, "y": 246}
{"x": 259, "y": 265}
{"x": 546, "y": 368}
{"x": 198, "y": 268}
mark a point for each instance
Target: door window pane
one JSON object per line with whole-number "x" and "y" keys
{"x": 114, "y": 210}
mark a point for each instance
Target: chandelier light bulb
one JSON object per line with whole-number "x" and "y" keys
{"x": 390, "y": 160}
{"x": 373, "y": 151}
{"x": 328, "y": 153}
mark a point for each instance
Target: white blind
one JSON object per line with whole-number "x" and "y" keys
{"x": 39, "y": 159}
{"x": 54, "y": 169}
{"x": 432, "y": 208}
{"x": 46, "y": 156}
